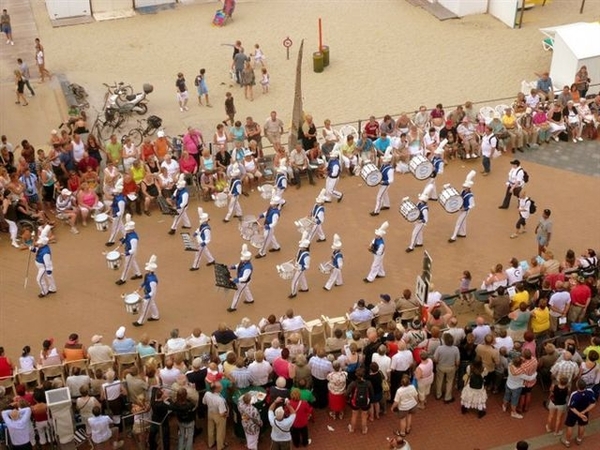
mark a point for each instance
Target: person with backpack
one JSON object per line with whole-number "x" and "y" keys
{"x": 517, "y": 178}
{"x": 405, "y": 402}
{"x": 360, "y": 392}
{"x": 489, "y": 145}
{"x": 526, "y": 207}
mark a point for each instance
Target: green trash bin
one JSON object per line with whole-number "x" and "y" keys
{"x": 325, "y": 51}
{"x": 318, "y": 62}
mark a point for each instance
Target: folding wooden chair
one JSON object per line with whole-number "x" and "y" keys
{"x": 81, "y": 363}
{"x": 28, "y": 377}
{"x": 125, "y": 360}
{"x": 51, "y": 372}
{"x": 200, "y": 351}
{"x": 8, "y": 383}
{"x": 244, "y": 344}
{"x": 102, "y": 365}
{"x": 315, "y": 329}
{"x": 335, "y": 323}
{"x": 265, "y": 339}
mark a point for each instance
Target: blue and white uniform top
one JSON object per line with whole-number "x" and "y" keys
{"x": 118, "y": 205}
{"x": 303, "y": 259}
{"x": 271, "y": 217}
{"x": 318, "y": 213}
{"x": 235, "y": 187}
{"x": 438, "y": 165}
{"x": 203, "y": 234}
{"x": 244, "y": 272}
{"x": 468, "y": 200}
{"x": 423, "y": 212}
{"x": 182, "y": 197}
{"x": 150, "y": 285}
{"x": 281, "y": 181}
{"x": 337, "y": 259}
{"x": 43, "y": 255}
{"x": 387, "y": 174}
{"x": 130, "y": 240}
{"x": 333, "y": 168}
{"x": 378, "y": 246}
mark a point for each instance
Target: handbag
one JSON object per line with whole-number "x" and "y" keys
{"x": 385, "y": 387}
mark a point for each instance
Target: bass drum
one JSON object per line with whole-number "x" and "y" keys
{"x": 248, "y": 227}
{"x": 420, "y": 167}
{"x": 450, "y": 200}
{"x": 370, "y": 174}
{"x": 286, "y": 270}
{"x": 409, "y": 210}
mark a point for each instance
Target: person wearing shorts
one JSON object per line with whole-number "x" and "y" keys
{"x": 405, "y": 401}
{"x": 357, "y": 409}
{"x": 182, "y": 92}
{"x": 5, "y": 27}
{"x": 201, "y": 87}
{"x": 581, "y": 402}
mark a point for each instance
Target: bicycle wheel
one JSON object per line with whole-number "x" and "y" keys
{"x": 136, "y": 135}
{"x": 123, "y": 92}
{"x": 143, "y": 109}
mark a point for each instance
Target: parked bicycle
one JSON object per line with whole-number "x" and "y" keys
{"x": 120, "y": 89}
{"x": 107, "y": 122}
{"x": 146, "y": 127}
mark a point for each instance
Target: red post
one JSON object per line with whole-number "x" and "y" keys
{"x": 320, "y": 36}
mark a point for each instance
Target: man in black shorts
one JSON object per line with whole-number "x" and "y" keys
{"x": 580, "y": 404}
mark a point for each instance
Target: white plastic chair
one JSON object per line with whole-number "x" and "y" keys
{"x": 500, "y": 109}
{"x": 486, "y": 113}
{"x": 347, "y": 130}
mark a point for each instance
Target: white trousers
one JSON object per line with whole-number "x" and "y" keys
{"x": 252, "y": 441}
{"x": 182, "y": 217}
{"x": 270, "y": 240}
{"x": 234, "y": 207}
{"x": 349, "y": 161}
{"x": 44, "y": 280}
{"x": 417, "y": 234}
{"x": 461, "y": 224}
{"x": 330, "y": 191}
{"x": 116, "y": 228}
{"x": 383, "y": 198}
{"x": 243, "y": 289}
{"x": 316, "y": 230}
{"x": 376, "y": 268}
{"x": 433, "y": 195}
{"x": 12, "y": 230}
{"x": 299, "y": 280}
{"x": 335, "y": 277}
{"x": 130, "y": 263}
{"x": 202, "y": 251}
{"x": 148, "y": 308}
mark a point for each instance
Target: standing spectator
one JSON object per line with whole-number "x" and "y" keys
{"x": 337, "y": 389}
{"x": 239, "y": 61}
{"x": 559, "y": 304}
{"x": 20, "y": 83}
{"x": 524, "y": 212}
{"x": 543, "y": 231}
{"x": 24, "y": 69}
{"x": 489, "y": 144}
{"x": 303, "y": 414}
{"x": 182, "y": 92}
{"x": 557, "y": 405}
{"x": 200, "y": 83}
{"x": 251, "y": 421}
{"x": 7, "y": 29}
{"x": 447, "y": 360}
{"x": 474, "y": 395}
{"x": 489, "y": 356}
{"x": 320, "y": 367}
{"x": 582, "y": 81}
{"x": 184, "y": 409}
{"x": 581, "y": 295}
{"x": 360, "y": 392}
{"x": 405, "y": 401}
{"x": 229, "y": 109}
{"x": 280, "y": 424}
{"x": 273, "y": 128}
{"x": 103, "y": 429}
{"x": 514, "y": 385}
{"x": 248, "y": 80}
{"x": 18, "y": 423}
{"x": 253, "y": 132}
{"x": 217, "y": 416}
{"x": 424, "y": 375}
{"x": 580, "y": 404}
{"x": 40, "y": 59}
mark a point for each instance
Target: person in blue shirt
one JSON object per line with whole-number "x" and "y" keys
{"x": 271, "y": 218}
{"x": 182, "y": 200}
{"x": 242, "y": 279}
{"x": 377, "y": 247}
{"x": 117, "y": 213}
{"x": 381, "y": 144}
{"x": 43, "y": 261}
{"x": 382, "y": 201}
{"x": 149, "y": 286}
{"x": 544, "y": 87}
{"x": 130, "y": 241}
{"x": 337, "y": 262}
{"x": 203, "y": 237}
{"x": 302, "y": 265}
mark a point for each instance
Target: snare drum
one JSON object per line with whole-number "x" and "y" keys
{"x": 248, "y": 227}
{"x": 304, "y": 225}
{"x": 409, "y": 210}
{"x": 220, "y": 199}
{"x": 113, "y": 260}
{"x": 420, "y": 167}
{"x": 450, "y": 199}
{"x": 266, "y": 191}
{"x": 286, "y": 270}
{"x": 257, "y": 240}
{"x": 370, "y": 174}
{"x": 132, "y": 302}
{"x": 101, "y": 221}
{"x": 326, "y": 267}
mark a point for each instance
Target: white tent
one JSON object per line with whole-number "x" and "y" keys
{"x": 575, "y": 45}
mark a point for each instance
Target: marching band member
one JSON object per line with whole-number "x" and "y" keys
{"x": 118, "y": 212}
{"x": 271, "y": 217}
{"x": 281, "y": 181}
{"x": 130, "y": 241}
{"x": 242, "y": 279}
{"x": 337, "y": 262}
{"x": 382, "y": 201}
{"x": 377, "y": 247}
{"x": 150, "y": 286}
{"x": 43, "y": 261}
{"x": 460, "y": 229}
{"x": 416, "y": 239}
{"x": 235, "y": 190}
{"x": 317, "y": 214}
{"x": 302, "y": 264}
{"x": 182, "y": 199}
{"x": 202, "y": 236}
{"x": 438, "y": 169}
{"x": 333, "y": 173}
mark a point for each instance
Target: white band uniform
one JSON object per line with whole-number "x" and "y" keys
{"x": 370, "y": 174}
{"x": 420, "y": 167}
{"x": 450, "y": 199}
{"x": 113, "y": 260}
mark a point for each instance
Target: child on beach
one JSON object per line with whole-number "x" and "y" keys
{"x": 264, "y": 81}
{"x": 259, "y": 56}
{"x": 229, "y": 108}
{"x": 200, "y": 83}
{"x": 465, "y": 286}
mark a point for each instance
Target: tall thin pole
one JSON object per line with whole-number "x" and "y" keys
{"x": 321, "y": 36}
{"x": 582, "y": 5}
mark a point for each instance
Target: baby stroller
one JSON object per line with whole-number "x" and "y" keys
{"x": 222, "y": 15}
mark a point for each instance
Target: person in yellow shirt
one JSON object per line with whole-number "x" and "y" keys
{"x": 540, "y": 319}
{"x": 509, "y": 120}
{"x": 521, "y": 296}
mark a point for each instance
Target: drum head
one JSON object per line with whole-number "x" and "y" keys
{"x": 412, "y": 215}
{"x": 101, "y": 217}
{"x": 132, "y": 299}
{"x": 113, "y": 256}
{"x": 453, "y": 204}
{"x": 374, "y": 178}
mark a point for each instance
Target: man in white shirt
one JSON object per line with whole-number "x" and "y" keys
{"x": 217, "y": 416}
{"x": 273, "y": 128}
{"x": 169, "y": 374}
{"x": 197, "y": 338}
{"x": 103, "y": 429}
{"x": 514, "y": 184}
{"x": 433, "y": 297}
{"x": 559, "y": 303}
{"x": 503, "y": 340}
{"x": 489, "y": 144}
{"x": 359, "y": 313}
{"x": 98, "y": 351}
{"x": 290, "y": 322}
{"x": 458, "y": 334}
{"x": 514, "y": 273}
{"x": 532, "y": 99}
{"x": 481, "y": 330}
{"x": 172, "y": 167}
{"x": 273, "y": 352}
{"x": 174, "y": 343}
{"x": 76, "y": 380}
{"x": 259, "y": 369}
{"x": 19, "y": 425}
{"x": 299, "y": 163}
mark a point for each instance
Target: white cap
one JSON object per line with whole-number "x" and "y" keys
{"x": 181, "y": 181}
{"x": 127, "y": 217}
{"x": 337, "y": 243}
{"x": 202, "y": 215}
{"x": 151, "y": 265}
{"x": 439, "y": 150}
{"x": 321, "y": 197}
{"x": 66, "y": 192}
{"x": 43, "y": 238}
{"x": 160, "y": 133}
{"x": 245, "y": 255}
{"x": 120, "y": 334}
{"x": 118, "y": 186}
{"x": 129, "y": 226}
{"x": 381, "y": 231}
{"x": 468, "y": 184}
{"x": 275, "y": 200}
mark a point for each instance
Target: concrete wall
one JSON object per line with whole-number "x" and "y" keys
{"x": 465, "y": 7}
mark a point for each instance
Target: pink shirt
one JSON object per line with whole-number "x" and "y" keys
{"x": 188, "y": 165}
{"x": 281, "y": 367}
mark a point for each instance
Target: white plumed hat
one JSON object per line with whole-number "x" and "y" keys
{"x": 181, "y": 181}
{"x": 202, "y": 215}
{"x": 151, "y": 265}
{"x": 381, "y": 231}
{"x": 44, "y": 235}
{"x": 469, "y": 180}
{"x": 245, "y": 255}
{"x": 337, "y": 243}
{"x": 118, "y": 186}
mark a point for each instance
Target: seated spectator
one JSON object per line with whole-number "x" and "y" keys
{"x": 532, "y": 99}
{"x": 146, "y": 347}
{"x": 103, "y": 429}
{"x": 359, "y": 312}
{"x": 349, "y": 155}
{"x": 300, "y": 164}
{"x": 49, "y": 355}
{"x": 122, "y": 344}
{"x": 260, "y": 370}
{"x": 330, "y": 136}
{"x": 294, "y": 345}
{"x": 521, "y": 296}
{"x": 520, "y": 104}
{"x": 150, "y": 190}
{"x": 76, "y": 380}
{"x": 336, "y": 343}
{"x": 87, "y": 200}
{"x": 174, "y": 343}
{"x": 270, "y": 325}
{"x": 273, "y": 352}
{"x": 73, "y": 349}
{"x": 253, "y": 176}
{"x": 290, "y": 322}
{"x": 247, "y": 329}
{"x": 223, "y": 335}
{"x": 197, "y": 338}
{"x": 384, "y": 307}
{"x": 66, "y": 209}
{"x": 466, "y": 132}
{"x": 317, "y": 161}
{"x": 208, "y": 185}
{"x": 169, "y": 373}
